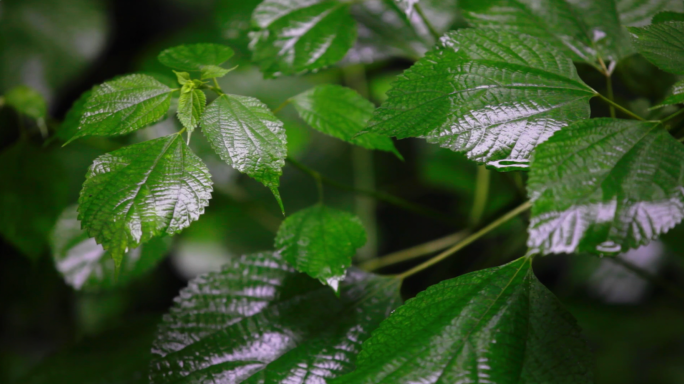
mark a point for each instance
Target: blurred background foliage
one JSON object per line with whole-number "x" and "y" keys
{"x": 53, "y": 328}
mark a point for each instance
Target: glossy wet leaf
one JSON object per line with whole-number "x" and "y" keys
{"x": 342, "y": 113}
{"x": 259, "y": 321}
{"x": 26, "y": 101}
{"x": 490, "y": 94}
{"x": 301, "y": 35}
{"x": 605, "y": 186}
{"x": 662, "y": 44}
{"x": 69, "y": 126}
{"x": 85, "y": 265}
{"x": 585, "y": 30}
{"x": 192, "y": 57}
{"x": 120, "y": 355}
{"x": 498, "y": 325}
{"x": 124, "y": 105}
{"x": 637, "y": 13}
{"x": 150, "y": 189}
{"x": 247, "y": 136}
{"x": 677, "y": 96}
{"x": 32, "y": 195}
{"x": 191, "y": 105}
{"x": 321, "y": 241}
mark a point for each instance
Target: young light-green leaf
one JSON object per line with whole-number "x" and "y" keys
{"x": 27, "y": 101}
{"x": 85, "y": 265}
{"x": 191, "y": 105}
{"x": 150, "y": 189}
{"x": 498, "y": 325}
{"x": 321, "y": 242}
{"x": 605, "y": 186}
{"x": 342, "y": 113}
{"x": 662, "y": 44}
{"x": 193, "y": 57}
{"x": 124, "y": 105}
{"x": 247, "y": 136}
{"x": 259, "y": 321}
{"x": 301, "y": 35}
{"x": 583, "y": 30}
{"x": 490, "y": 94}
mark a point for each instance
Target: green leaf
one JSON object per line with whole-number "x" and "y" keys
{"x": 214, "y": 71}
{"x": 33, "y": 193}
{"x": 490, "y": 94}
{"x": 118, "y": 356}
{"x": 183, "y": 77}
{"x": 124, "y": 105}
{"x": 662, "y": 44}
{"x": 498, "y": 325}
{"x": 86, "y": 265}
{"x": 342, "y": 113}
{"x": 321, "y": 242}
{"x": 583, "y": 30}
{"x": 259, "y": 321}
{"x": 133, "y": 194}
{"x": 247, "y": 136}
{"x": 301, "y": 35}
{"x": 637, "y": 13}
{"x": 27, "y": 101}
{"x": 668, "y": 16}
{"x": 69, "y": 127}
{"x": 677, "y": 96}
{"x": 190, "y": 108}
{"x": 605, "y": 186}
{"x": 193, "y": 57}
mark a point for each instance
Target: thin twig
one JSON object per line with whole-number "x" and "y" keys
{"x": 430, "y": 27}
{"x": 672, "y": 116}
{"x": 470, "y": 239}
{"x": 481, "y": 195}
{"x": 611, "y": 96}
{"x": 621, "y": 108}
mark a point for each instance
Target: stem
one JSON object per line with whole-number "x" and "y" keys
{"x": 646, "y": 275}
{"x": 467, "y": 241}
{"x": 621, "y": 108}
{"x": 430, "y": 27}
{"x": 611, "y": 97}
{"x": 672, "y": 116}
{"x": 414, "y": 252}
{"x": 281, "y": 106}
{"x": 387, "y": 198}
{"x": 481, "y": 195}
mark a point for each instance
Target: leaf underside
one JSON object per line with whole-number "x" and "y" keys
{"x": 124, "y": 105}
{"x": 498, "y": 325}
{"x": 259, "y": 321}
{"x": 605, "y": 186}
{"x": 247, "y": 136}
{"x": 490, "y": 94}
{"x": 342, "y": 113}
{"x": 150, "y": 189}
{"x": 583, "y": 30}
{"x": 321, "y": 242}
{"x": 301, "y": 35}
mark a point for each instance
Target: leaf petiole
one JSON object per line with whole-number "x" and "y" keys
{"x": 428, "y": 24}
{"x": 621, "y": 108}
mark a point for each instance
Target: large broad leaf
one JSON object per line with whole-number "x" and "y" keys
{"x": 584, "y": 30}
{"x": 490, "y": 94}
{"x": 193, "y": 57}
{"x": 259, "y": 321}
{"x": 637, "y": 13}
{"x": 605, "y": 186}
{"x": 301, "y": 35}
{"x": 342, "y": 113}
{"x": 662, "y": 44}
{"x": 498, "y": 325}
{"x": 33, "y": 193}
{"x": 149, "y": 189}
{"x": 191, "y": 105}
{"x": 321, "y": 241}
{"x": 86, "y": 265}
{"x": 124, "y": 105}
{"x": 247, "y": 136}
{"x": 118, "y": 356}
{"x": 27, "y": 101}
